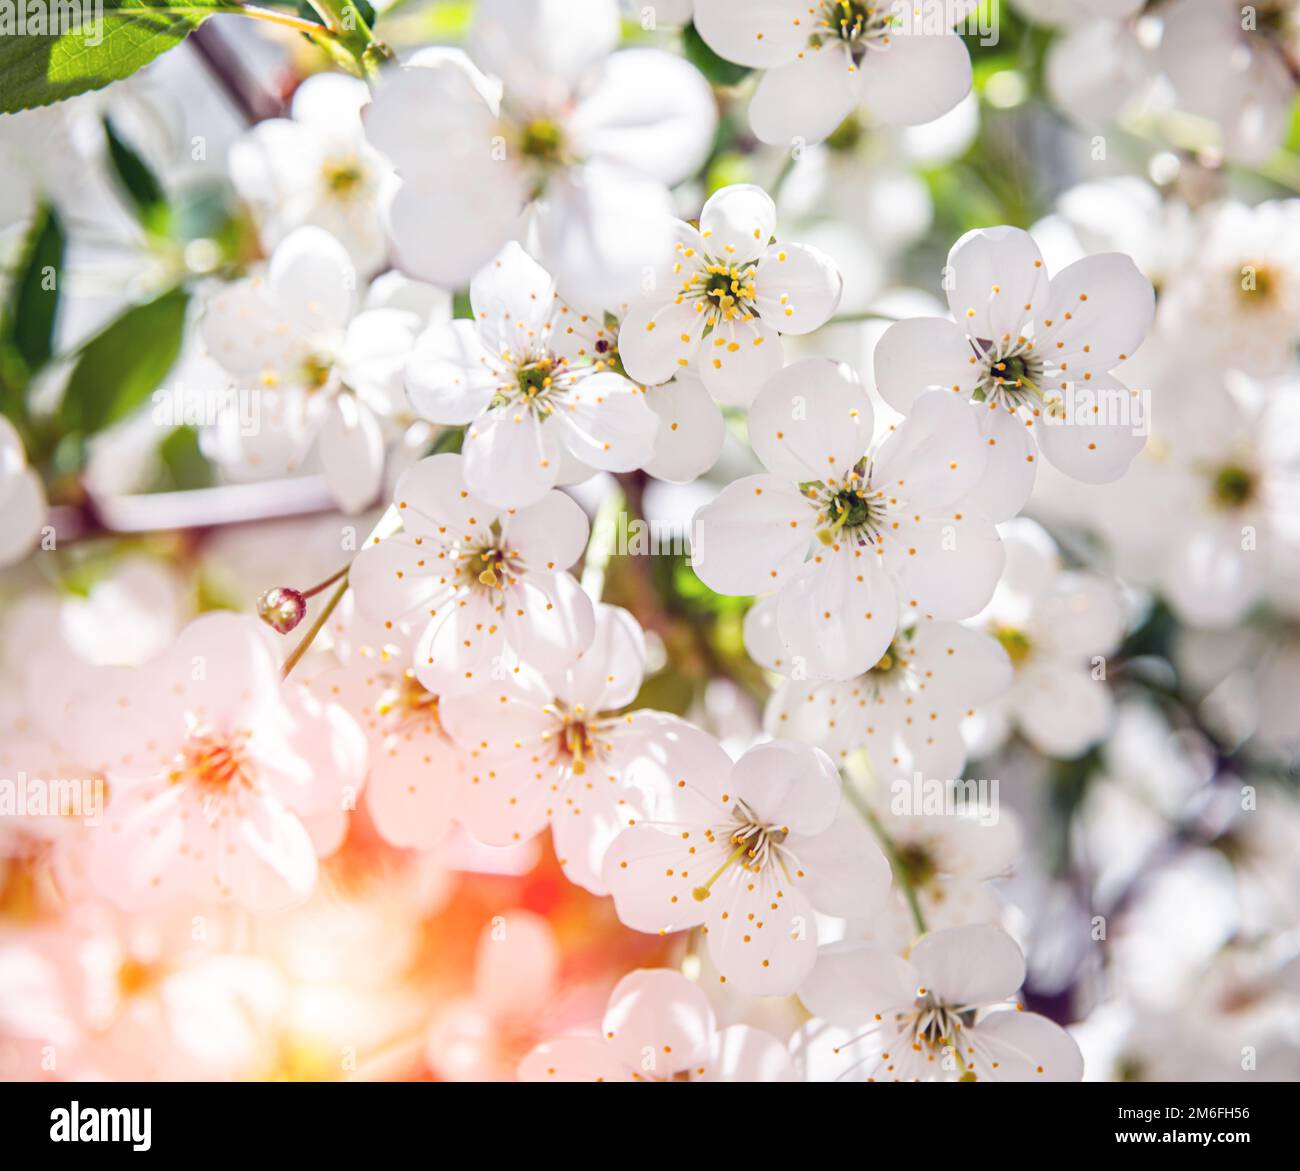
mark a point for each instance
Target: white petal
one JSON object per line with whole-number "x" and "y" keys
{"x": 946, "y": 566}
{"x": 920, "y": 77}
{"x": 22, "y": 514}
{"x": 788, "y": 784}
{"x": 658, "y": 339}
{"x": 761, "y": 34}
{"x": 998, "y": 282}
{"x": 690, "y": 433}
{"x": 803, "y": 102}
{"x": 1008, "y": 477}
{"x": 451, "y": 377}
{"x": 936, "y": 456}
{"x": 1100, "y": 309}
{"x": 352, "y": 453}
{"x": 969, "y": 966}
{"x": 845, "y": 872}
{"x": 798, "y": 287}
{"x": 608, "y": 674}
{"x": 607, "y": 423}
{"x": 549, "y": 621}
{"x": 854, "y": 981}
{"x": 514, "y": 300}
{"x": 312, "y": 281}
{"x": 650, "y": 112}
{"x": 434, "y": 502}
{"x": 1026, "y": 1047}
{"x": 737, "y": 222}
{"x": 741, "y": 1053}
{"x": 512, "y": 457}
{"x": 738, "y": 358}
{"x": 658, "y": 1022}
{"x": 550, "y": 534}
{"x": 811, "y": 421}
{"x": 1083, "y": 615}
{"x": 1062, "y": 711}
{"x": 920, "y": 354}
{"x": 836, "y": 617}
{"x": 752, "y": 536}
{"x": 573, "y": 1059}
{"x": 1097, "y": 435}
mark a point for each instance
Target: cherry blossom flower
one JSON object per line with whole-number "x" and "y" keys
{"x": 906, "y": 711}
{"x": 1057, "y": 627}
{"x": 1236, "y": 299}
{"x": 1238, "y": 73}
{"x": 824, "y": 57}
{"x": 659, "y": 1027}
{"x": 216, "y": 771}
{"x": 582, "y": 142}
{"x": 746, "y": 852}
{"x": 1033, "y": 356}
{"x": 528, "y": 377}
{"x": 938, "y": 1015}
{"x": 411, "y": 786}
{"x": 321, "y": 374}
{"x": 22, "y": 498}
{"x": 480, "y": 588}
{"x": 886, "y": 529}
{"x": 555, "y": 751}
{"x": 316, "y": 167}
{"x": 732, "y": 292}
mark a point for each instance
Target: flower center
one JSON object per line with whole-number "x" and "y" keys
{"x": 215, "y": 762}
{"x": 1010, "y": 372}
{"x": 316, "y": 371}
{"x": 1260, "y": 285}
{"x": 1234, "y": 486}
{"x": 918, "y": 864}
{"x": 536, "y": 377}
{"x": 855, "y": 24}
{"x": 542, "y": 141}
{"x": 342, "y": 177}
{"x": 853, "y": 509}
{"x": 407, "y": 700}
{"x": 135, "y": 976}
{"x": 727, "y": 290}
{"x": 754, "y": 846}
{"x": 1015, "y": 642}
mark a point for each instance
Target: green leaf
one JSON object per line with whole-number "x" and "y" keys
{"x": 145, "y": 194}
{"x": 184, "y": 466}
{"x": 29, "y": 325}
{"x": 715, "y": 69}
{"x": 37, "y": 69}
{"x": 119, "y": 368}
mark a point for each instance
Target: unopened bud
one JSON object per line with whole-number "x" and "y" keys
{"x": 281, "y": 608}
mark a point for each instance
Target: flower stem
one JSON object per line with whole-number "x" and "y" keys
{"x": 329, "y": 581}
{"x": 295, "y": 656}
{"x": 891, "y": 852}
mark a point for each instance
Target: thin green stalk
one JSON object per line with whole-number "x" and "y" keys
{"x": 301, "y": 649}
{"x": 891, "y": 852}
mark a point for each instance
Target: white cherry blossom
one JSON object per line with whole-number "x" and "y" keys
{"x": 846, "y": 536}
{"x": 1235, "y": 65}
{"x": 555, "y": 750}
{"x": 906, "y": 711}
{"x": 822, "y": 58}
{"x": 320, "y": 373}
{"x": 748, "y": 853}
{"x": 1034, "y": 358}
{"x": 555, "y": 128}
{"x": 529, "y": 378}
{"x": 480, "y": 588}
{"x": 218, "y": 774}
{"x": 659, "y": 1027}
{"x": 315, "y": 167}
{"x": 1057, "y": 626}
{"x": 942, "y": 1014}
{"x": 731, "y": 292}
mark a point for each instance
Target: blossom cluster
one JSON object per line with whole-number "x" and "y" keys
{"x": 1010, "y": 495}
